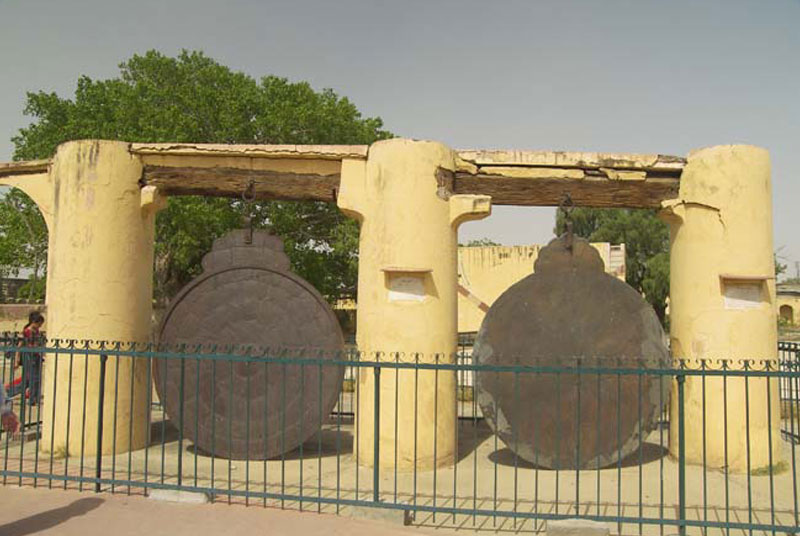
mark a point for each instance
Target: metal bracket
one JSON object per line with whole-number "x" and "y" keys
{"x": 566, "y": 207}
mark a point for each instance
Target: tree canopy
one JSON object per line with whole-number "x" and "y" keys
{"x": 646, "y": 240}
{"x": 193, "y": 98}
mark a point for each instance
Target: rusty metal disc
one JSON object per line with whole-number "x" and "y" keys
{"x": 569, "y": 313}
{"x": 247, "y": 296}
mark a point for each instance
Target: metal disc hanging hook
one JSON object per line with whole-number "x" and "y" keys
{"x": 248, "y": 197}
{"x": 249, "y": 193}
{"x": 566, "y": 207}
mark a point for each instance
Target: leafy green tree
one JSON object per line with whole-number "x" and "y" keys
{"x": 192, "y": 98}
{"x": 780, "y": 267}
{"x": 646, "y": 240}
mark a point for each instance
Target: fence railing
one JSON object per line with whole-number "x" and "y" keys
{"x": 97, "y": 422}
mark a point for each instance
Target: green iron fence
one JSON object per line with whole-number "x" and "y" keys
{"x": 652, "y": 490}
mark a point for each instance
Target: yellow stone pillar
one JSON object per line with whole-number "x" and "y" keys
{"x": 407, "y": 295}
{"x": 722, "y": 306}
{"x": 100, "y": 288}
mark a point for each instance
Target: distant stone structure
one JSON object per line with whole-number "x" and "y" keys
{"x": 13, "y": 317}
{"x": 788, "y": 299}
{"x": 9, "y": 289}
{"x": 485, "y": 272}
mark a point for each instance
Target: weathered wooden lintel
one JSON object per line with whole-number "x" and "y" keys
{"x": 587, "y": 192}
{"x": 539, "y": 191}
{"x": 233, "y": 182}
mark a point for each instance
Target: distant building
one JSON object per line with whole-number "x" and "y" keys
{"x": 789, "y": 303}
{"x": 9, "y": 289}
{"x": 485, "y": 272}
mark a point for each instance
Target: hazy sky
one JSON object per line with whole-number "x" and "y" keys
{"x": 640, "y": 76}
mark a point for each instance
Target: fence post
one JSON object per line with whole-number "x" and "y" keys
{"x": 681, "y": 378}
{"x": 100, "y": 402}
{"x": 377, "y": 437}
{"x": 180, "y": 420}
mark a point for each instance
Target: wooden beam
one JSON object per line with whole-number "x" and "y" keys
{"x": 232, "y": 182}
{"x": 284, "y": 172}
{"x": 550, "y": 191}
{"x": 544, "y": 178}
{"x": 25, "y": 167}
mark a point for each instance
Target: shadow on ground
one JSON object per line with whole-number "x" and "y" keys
{"x": 650, "y": 452}
{"x": 328, "y": 443}
{"x": 50, "y": 518}
{"x": 163, "y": 432}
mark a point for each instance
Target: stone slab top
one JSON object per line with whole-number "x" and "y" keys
{"x": 324, "y": 152}
{"x": 567, "y": 159}
{"x": 478, "y": 157}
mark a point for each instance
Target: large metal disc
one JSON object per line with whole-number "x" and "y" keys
{"x": 247, "y": 296}
{"x": 569, "y": 308}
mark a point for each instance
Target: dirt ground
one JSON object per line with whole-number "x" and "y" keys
{"x": 43, "y": 512}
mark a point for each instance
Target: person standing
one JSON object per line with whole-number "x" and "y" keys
{"x": 31, "y": 362}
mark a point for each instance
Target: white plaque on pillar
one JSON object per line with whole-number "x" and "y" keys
{"x": 406, "y": 288}
{"x": 742, "y": 295}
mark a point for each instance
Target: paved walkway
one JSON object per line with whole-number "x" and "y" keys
{"x": 42, "y": 512}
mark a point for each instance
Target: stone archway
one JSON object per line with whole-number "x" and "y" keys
{"x": 787, "y": 314}
{"x": 32, "y": 179}
{"x": 25, "y": 234}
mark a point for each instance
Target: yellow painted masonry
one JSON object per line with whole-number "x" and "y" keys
{"x": 407, "y": 296}
{"x": 485, "y": 272}
{"x": 723, "y": 305}
{"x": 39, "y": 188}
{"x": 100, "y": 259}
{"x": 100, "y": 288}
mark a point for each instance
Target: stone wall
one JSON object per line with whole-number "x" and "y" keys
{"x": 485, "y": 272}
{"x": 13, "y": 317}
